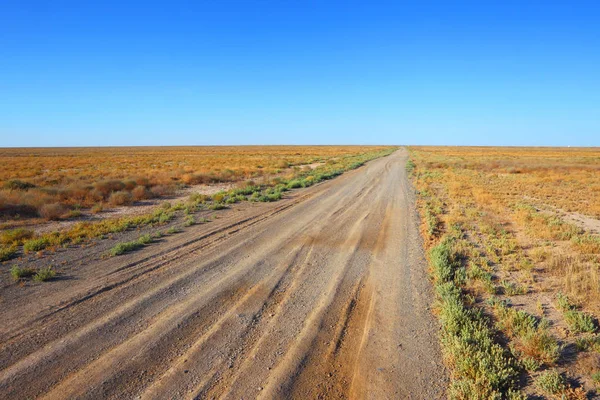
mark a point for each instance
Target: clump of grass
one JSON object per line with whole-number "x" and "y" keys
{"x": 44, "y": 274}
{"x": 578, "y": 321}
{"x": 480, "y": 367}
{"x": 410, "y": 166}
{"x": 7, "y": 253}
{"x": 588, "y": 343}
{"x": 18, "y": 273}
{"x": 36, "y": 244}
{"x": 512, "y": 289}
{"x": 531, "y": 337}
{"x": 15, "y": 236}
{"x": 596, "y": 378}
{"x": 173, "y": 230}
{"x": 127, "y": 247}
{"x": 189, "y": 220}
{"x": 218, "y": 206}
{"x": 551, "y": 382}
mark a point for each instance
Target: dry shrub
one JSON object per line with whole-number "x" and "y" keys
{"x": 120, "y": 198}
{"x": 163, "y": 190}
{"x": 141, "y": 193}
{"x": 199, "y": 179}
{"x": 97, "y": 208}
{"x": 107, "y": 187}
{"x": 129, "y": 185}
{"x": 53, "y": 212}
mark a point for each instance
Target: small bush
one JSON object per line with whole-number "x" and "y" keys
{"x": 218, "y": 206}
{"x": 53, "y": 212}
{"x": 126, "y": 247}
{"x": 162, "y": 190}
{"x": 189, "y": 220}
{"x": 551, "y": 382}
{"x": 141, "y": 193}
{"x": 15, "y": 236}
{"x": 16, "y": 184}
{"x": 120, "y": 198}
{"x": 512, "y": 289}
{"x": 294, "y": 184}
{"x": 6, "y": 253}
{"x": 36, "y": 244}
{"x": 19, "y": 273}
{"x": 44, "y": 274}
{"x": 580, "y": 322}
{"x": 105, "y": 188}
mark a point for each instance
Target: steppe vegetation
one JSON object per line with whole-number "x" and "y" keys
{"x": 514, "y": 250}
{"x": 258, "y": 174}
{"x": 58, "y": 183}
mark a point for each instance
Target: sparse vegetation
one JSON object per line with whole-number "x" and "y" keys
{"x": 48, "y": 183}
{"x": 518, "y": 210}
{"x": 19, "y": 273}
{"x": 7, "y": 253}
{"x": 44, "y": 274}
{"x": 127, "y": 247}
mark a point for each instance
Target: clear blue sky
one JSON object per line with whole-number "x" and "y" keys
{"x": 76, "y": 73}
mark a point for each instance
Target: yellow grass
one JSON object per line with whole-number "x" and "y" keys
{"x": 514, "y": 209}
{"x": 50, "y": 182}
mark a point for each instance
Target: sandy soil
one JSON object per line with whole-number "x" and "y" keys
{"x": 321, "y": 295}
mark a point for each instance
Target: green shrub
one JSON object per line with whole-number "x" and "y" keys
{"x": 551, "y": 382}
{"x": 512, "y": 289}
{"x": 18, "y": 273}
{"x": 294, "y": 184}
{"x": 15, "y": 236}
{"x": 36, "y": 244}
{"x": 580, "y": 322}
{"x": 44, "y": 274}
{"x": 126, "y": 247}
{"x": 480, "y": 368}
{"x": 7, "y": 253}
{"x": 189, "y": 220}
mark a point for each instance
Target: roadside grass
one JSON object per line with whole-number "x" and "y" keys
{"x": 480, "y": 367}
{"x": 8, "y": 253}
{"x": 18, "y": 273}
{"x": 44, "y": 274}
{"x": 127, "y": 247}
{"x": 577, "y": 321}
{"x": 499, "y": 207}
{"x": 60, "y": 183}
{"x": 266, "y": 192}
{"x": 38, "y": 275}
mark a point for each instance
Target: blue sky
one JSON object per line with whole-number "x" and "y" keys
{"x": 309, "y": 72}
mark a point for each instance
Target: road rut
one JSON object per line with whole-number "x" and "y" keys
{"x": 321, "y": 295}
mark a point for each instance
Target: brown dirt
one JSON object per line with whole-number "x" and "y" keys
{"x": 321, "y": 295}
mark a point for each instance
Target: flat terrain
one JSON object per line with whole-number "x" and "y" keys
{"x": 322, "y": 294}
{"x": 514, "y": 233}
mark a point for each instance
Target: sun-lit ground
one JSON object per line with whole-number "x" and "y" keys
{"x": 516, "y": 230}
{"x": 54, "y": 183}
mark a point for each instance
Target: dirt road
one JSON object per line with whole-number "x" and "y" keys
{"x": 321, "y": 295}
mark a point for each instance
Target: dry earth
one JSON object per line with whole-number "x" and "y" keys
{"x": 321, "y": 295}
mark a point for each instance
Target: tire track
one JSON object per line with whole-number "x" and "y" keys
{"x": 323, "y": 295}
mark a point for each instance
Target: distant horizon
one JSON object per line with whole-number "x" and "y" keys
{"x": 152, "y": 74}
{"x": 298, "y": 145}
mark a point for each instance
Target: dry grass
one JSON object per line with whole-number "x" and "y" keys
{"x": 512, "y": 208}
{"x": 48, "y": 182}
